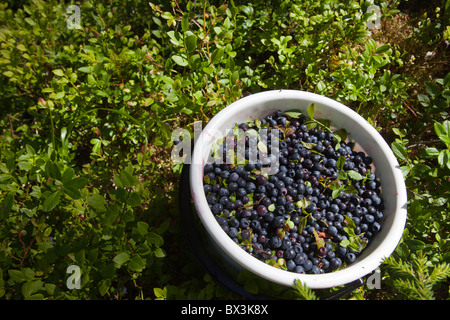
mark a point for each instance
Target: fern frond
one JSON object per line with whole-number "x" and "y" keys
{"x": 303, "y": 292}
{"x": 398, "y": 267}
{"x": 413, "y": 289}
{"x": 440, "y": 273}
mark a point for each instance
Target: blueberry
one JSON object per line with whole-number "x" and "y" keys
{"x": 211, "y": 198}
{"x": 369, "y": 218}
{"x": 208, "y": 168}
{"x": 311, "y": 208}
{"x": 262, "y": 210}
{"x": 217, "y": 208}
{"x": 275, "y": 242}
{"x": 221, "y": 220}
{"x": 241, "y": 192}
{"x": 269, "y": 216}
{"x": 300, "y": 258}
{"x": 286, "y": 243}
{"x": 290, "y": 265}
{"x": 241, "y": 182}
{"x": 225, "y": 174}
{"x": 230, "y": 205}
{"x": 334, "y": 208}
{"x": 233, "y": 186}
{"x": 350, "y": 257}
{"x": 245, "y": 234}
{"x": 322, "y": 251}
{"x": 244, "y": 223}
{"x": 299, "y": 269}
{"x": 375, "y": 227}
{"x": 223, "y": 192}
{"x": 250, "y": 187}
{"x": 255, "y": 225}
{"x": 262, "y": 239}
{"x": 261, "y": 180}
{"x": 335, "y": 263}
{"x": 315, "y": 270}
{"x": 307, "y": 265}
{"x": 234, "y": 177}
{"x": 233, "y": 232}
{"x": 207, "y": 188}
{"x": 238, "y": 204}
{"x": 233, "y": 222}
{"x": 278, "y": 222}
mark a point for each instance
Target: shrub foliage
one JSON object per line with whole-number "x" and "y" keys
{"x": 88, "y": 106}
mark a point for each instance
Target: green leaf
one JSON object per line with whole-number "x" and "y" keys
{"x": 8, "y": 74}
{"x": 24, "y": 165}
{"x": 120, "y": 259}
{"x": 142, "y": 227}
{"x": 59, "y": 96}
{"x": 308, "y": 145}
{"x": 335, "y": 193}
{"x": 175, "y": 38}
{"x": 181, "y": 61}
{"x": 134, "y": 199}
{"x": 344, "y": 243}
{"x": 136, "y": 263}
{"x": 294, "y": 114}
{"x": 311, "y": 111}
{"x": 354, "y": 175}
{"x": 85, "y": 69}
{"x": 350, "y": 223}
{"x": 440, "y": 129}
{"x": 31, "y": 287}
{"x": 319, "y": 240}
{"x": 58, "y": 72}
{"x": 78, "y": 183}
{"x": 432, "y": 88}
{"x": 217, "y": 55}
{"x": 97, "y": 202}
{"x": 321, "y": 86}
{"x": 7, "y": 204}
{"x": 335, "y": 185}
{"x": 104, "y": 286}
{"x": 72, "y": 192}
{"x": 191, "y": 43}
{"x": 155, "y": 239}
{"x": 262, "y": 147}
{"x": 383, "y": 48}
{"x": 127, "y": 179}
{"x": 67, "y": 176}
{"x": 52, "y": 200}
{"x": 159, "y": 253}
{"x": 185, "y": 22}
{"x": 415, "y": 245}
{"x": 340, "y": 162}
{"x": 423, "y": 99}
{"x": 52, "y": 170}
{"x": 399, "y": 151}
{"x": 16, "y": 275}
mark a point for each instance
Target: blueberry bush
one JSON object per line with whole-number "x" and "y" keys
{"x": 91, "y": 92}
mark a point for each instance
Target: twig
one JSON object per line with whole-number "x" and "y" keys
{"x": 252, "y": 204}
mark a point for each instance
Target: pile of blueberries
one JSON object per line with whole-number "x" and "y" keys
{"x": 261, "y": 213}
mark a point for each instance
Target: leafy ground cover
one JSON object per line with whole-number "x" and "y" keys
{"x": 91, "y": 94}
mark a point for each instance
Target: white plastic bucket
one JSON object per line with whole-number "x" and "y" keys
{"x": 361, "y": 132}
